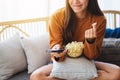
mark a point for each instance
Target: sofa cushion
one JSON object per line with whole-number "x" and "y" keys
{"x": 111, "y": 43}
{"x": 35, "y": 50}
{"x": 12, "y": 57}
{"x": 21, "y": 76}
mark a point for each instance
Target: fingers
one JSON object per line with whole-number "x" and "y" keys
{"x": 57, "y": 57}
{"x": 94, "y": 26}
{"x": 60, "y": 56}
{"x": 63, "y": 53}
{"x": 56, "y": 47}
{"x": 91, "y": 33}
{"x": 54, "y": 56}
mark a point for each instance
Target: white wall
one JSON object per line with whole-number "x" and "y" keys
{"x": 55, "y": 4}
{"x": 22, "y": 9}
{"x": 109, "y": 4}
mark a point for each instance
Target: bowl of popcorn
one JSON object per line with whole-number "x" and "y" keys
{"x": 75, "y": 49}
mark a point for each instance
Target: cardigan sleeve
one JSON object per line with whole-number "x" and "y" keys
{"x": 56, "y": 29}
{"x": 93, "y": 50}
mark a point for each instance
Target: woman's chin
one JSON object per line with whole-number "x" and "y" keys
{"x": 77, "y": 11}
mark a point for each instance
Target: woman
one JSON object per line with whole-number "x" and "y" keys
{"x": 80, "y": 20}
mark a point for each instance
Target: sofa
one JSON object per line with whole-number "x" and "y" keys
{"x": 109, "y": 54}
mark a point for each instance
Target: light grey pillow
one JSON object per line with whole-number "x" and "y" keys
{"x": 35, "y": 50}
{"x": 12, "y": 57}
{"x": 74, "y": 69}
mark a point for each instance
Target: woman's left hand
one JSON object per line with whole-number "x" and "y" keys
{"x": 90, "y": 34}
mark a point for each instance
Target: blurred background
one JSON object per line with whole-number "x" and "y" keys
{"x": 26, "y": 9}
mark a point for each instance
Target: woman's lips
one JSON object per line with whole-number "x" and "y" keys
{"x": 77, "y": 6}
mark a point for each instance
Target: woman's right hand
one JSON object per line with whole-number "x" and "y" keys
{"x": 91, "y": 34}
{"x": 58, "y": 56}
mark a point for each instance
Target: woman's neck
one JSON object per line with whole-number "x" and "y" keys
{"x": 81, "y": 14}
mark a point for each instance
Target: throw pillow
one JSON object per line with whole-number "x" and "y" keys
{"x": 35, "y": 50}
{"x": 111, "y": 43}
{"x": 74, "y": 69}
{"x": 112, "y": 33}
{"x": 12, "y": 57}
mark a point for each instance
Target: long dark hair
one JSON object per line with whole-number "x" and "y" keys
{"x": 70, "y": 20}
